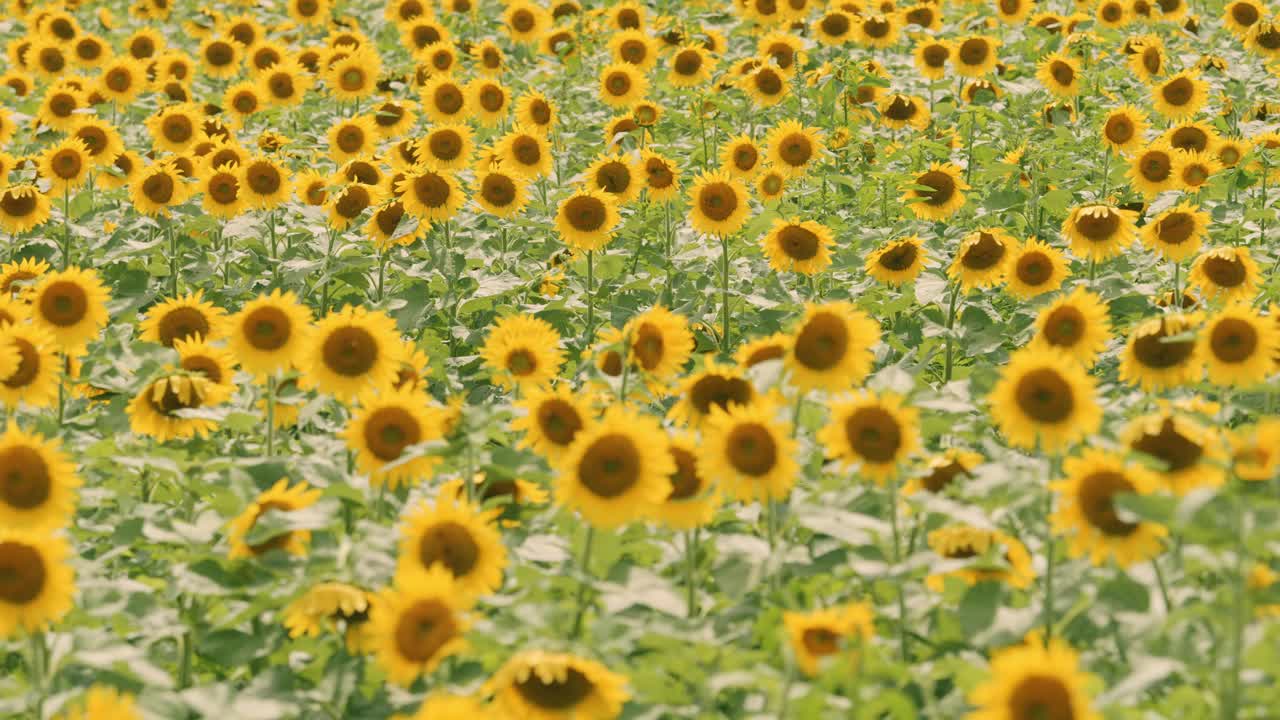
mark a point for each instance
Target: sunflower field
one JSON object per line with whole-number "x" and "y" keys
{"x": 593, "y": 359}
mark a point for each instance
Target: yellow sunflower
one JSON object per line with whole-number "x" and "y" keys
{"x": 1035, "y": 268}
{"x": 741, "y": 157}
{"x": 447, "y": 147}
{"x": 70, "y": 304}
{"x": 23, "y": 207}
{"x": 323, "y": 606}
{"x": 982, "y": 260}
{"x": 157, "y": 188}
{"x": 975, "y": 56}
{"x": 102, "y": 703}
{"x": 748, "y": 452}
{"x": 536, "y": 112}
{"x": 182, "y": 318}
{"x": 1178, "y": 232}
{"x": 875, "y": 433}
{"x": 351, "y": 350}
{"x": 527, "y": 153}
{"x": 792, "y": 147}
{"x": 691, "y": 502}
{"x": 440, "y": 706}
{"x": 489, "y": 100}
{"x": 931, "y": 56}
{"x": 942, "y": 471}
{"x": 690, "y": 66}
{"x": 1151, "y": 170}
{"x": 819, "y": 636}
{"x": 500, "y": 193}
{"x": 937, "y": 193}
{"x": 616, "y": 470}
{"x": 660, "y": 342}
{"x": 712, "y": 385}
{"x": 718, "y": 204}
{"x": 215, "y": 362}
{"x": 1241, "y": 15}
{"x": 66, "y": 165}
{"x": 1183, "y": 453}
{"x": 1099, "y": 232}
{"x": 1088, "y": 514}
{"x": 552, "y": 419}
{"x": 1045, "y": 399}
{"x": 1192, "y": 136}
{"x": 616, "y": 175}
{"x": 418, "y": 623}
{"x": 899, "y": 111}
{"x": 770, "y": 184}
{"x": 270, "y": 333}
{"x": 101, "y": 140}
{"x": 983, "y": 555}
{"x": 35, "y": 380}
{"x": 385, "y": 427}
{"x": 1075, "y": 325}
{"x": 586, "y": 219}
{"x": 1255, "y": 451}
{"x": 546, "y": 686}
{"x": 1035, "y": 678}
{"x": 39, "y": 488}
{"x": 1181, "y": 95}
{"x": 525, "y": 22}
{"x": 766, "y": 85}
{"x": 39, "y": 582}
{"x": 522, "y": 351}
{"x": 622, "y": 85}
{"x": 354, "y": 76}
{"x": 1226, "y": 273}
{"x": 1163, "y": 352}
{"x": 897, "y": 261}
{"x": 834, "y": 27}
{"x": 153, "y": 411}
{"x": 877, "y": 30}
{"x": 1239, "y": 346}
{"x": 1060, "y": 75}
{"x": 266, "y": 183}
{"x": 832, "y": 347}
{"x": 458, "y": 537}
{"x": 283, "y": 499}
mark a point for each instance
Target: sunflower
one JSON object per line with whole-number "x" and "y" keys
{"x": 157, "y": 188}
{"x": 1035, "y": 268}
{"x": 60, "y": 106}
{"x": 1099, "y": 232}
{"x": 66, "y": 165}
{"x": 444, "y": 100}
{"x": 792, "y": 147}
{"x": 876, "y": 30}
{"x": 766, "y": 85}
{"x": 585, "y": 220}
{"x": 70, "y": 304}
{"x": 500, "y": 193}
{"x": 387, "y": 424}
{"x": 309, "y": 12}
{"x": 458, "y": 537}
{"x": 1075, "y": 325}
{"x": 525, "y": 22}
{"x": 718, "y": 204}
{"x": 175, "y": 128}
{"x": 1183, "y": 453}
{"x": 1241, "y": 15}
{"x": 690, "y": 501}
{"x": 982, "y": 260}
{"x": 1036, "y": 678}
{"x": 281, "y": 498}
{"x": 182, "y": 318}
{"x": 552, "y": 419}
{"x": 931, "y": 57}
{"x": 690, "y": 66}
{"x": 40, "y": 481}
{"x": 1227, "y": 273}
{"x": 617, "y": 176}
{"x": 1151, "y": 170}
{"x": 897, "y": 261}
{"x": 983, "y": 556}
{"x": 353, "y": 77}
{"x": 616, "y": 469}
{"x": 23, "y": 207}
{"x": 1045, "y": 399}
{"x": 1231, "y": 151}
{"x": 418, "y": 623}
{"x": 1239, "y": 346}
{"x": 152, "y": 412}
{"x": 431, "y": 195}
{"x": 660, "y": 342}
{"x": 39, "y": 581}
{"x": 975, "y": 56}
{"x": 214, "y": 362}
{"x": 661, "y": 176}
{"x": 12, "y": 311}
{"x": 351, "y": 350}
{"x": 101, "y": 140}
{"x": 1087, "y": 511}
{"x": 943, "y": 470}
{"x": 18, "y": 275}
{"x": 1149, "y": 61}
{"x": 770, "y": 184}
{"x": 1177, "y": 232}
{"x": 822, "y": 635}
{"x": 536, "y": 112}
{"x": 544, "y": 686}
{"x": 832, "y": 347}
{"x": 748, "y": 452}
{"x": 622, "y": 85}
{"x": 1192, "y": 136}
{"x": 1163, "y": 352}
{"x": 798, "y": 245}
{"x": 525, "y": 153}
{"x": 1112, "y": 14}
{"x": 1181, "y": 95}
{"x": 1192, "y": 170}
{"x": 102, "y": 703}
{"x": 898, "y": 111}
{"x": 876, "y": 433}
{"x": 942, "y": 194}
{"x": 1060, "y": 75}
{"x": 741, "y": 157}
{"x": 1255, "y": 451}
{"x": 447, "y": 147}
{"x": 351, "y": 138}
{"x": 522, "y": 351}
{"x": 36, "y": 379}
{"x": 834, "y": 27}
{"x": 324, "y": 605}
{"x": 270, "y": 333}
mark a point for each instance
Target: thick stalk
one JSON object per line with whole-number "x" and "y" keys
{"x": 173, "y": 255}
{"x": 585, "y": 568}
{"x": 271, "y": 416}
{"x": 724, "y": 293}
{"x": 903, "y": 639}
{"x": 691, "y": 570}
{"x": 66, "y": 228}
{"x": 1239, "y": 617}
{"x": 951, "y": 323}
{"x": 1046, "y": 614}
{"x": 591, "y": 293}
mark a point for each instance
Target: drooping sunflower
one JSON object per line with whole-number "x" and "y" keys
{"x": 1184, "y": 454}
{"x": 797, "y": 245}
{"x": 270, "y": 332}
{"x": 1099, "y": 232}
{"x": 153, "y": 411}
{"x": 747, "y": 452}
{"x": 430, "y": 194}
{"x": 942, "y": 194}
{"x": 38, "y": 492}
{"x": 325, "y": 605}
{"x": 1181, "y": 95}
{"x": 552, "y": 419}
{"x": 549, "y": 686}
{"x": 1239, "y": 346}
{"x": 23, "y": 207}
{"x": 70, "y": 304}
{"x": 281, "y": 498}
{"x": 1060, "y": 75}
{"x": 718, "y": 204}
{"x": 942, "y": 471}
{"x": 899, "y": 111}
{"x": 792, "y": 147}
{"x": 616, "y": 469}
{"x": 418, "y": 623}
{"x": 691, "y": 502}
{"x": 522, "y": 351}
{"x": 460, "y": 538}
{"x": 1088, "y": 514}
{"x": 820, "y": 636}
{"x": 992, "y": 556}
{"x": 1045, "y": 399}
{"x": 1226, "y": 273}
{"x": 214, "y": 362}
{"x": 585, "y": 220}
{"x": 39, "y": 582}
{"x": 897, "y": 261}
{"x": 351, "y": 350}
{"x": 1075, "y": 325}
{"x": 525, "y": 153}
{"x": 875, "y": 433}
{"x": 35, "y": 380}
{"x": 832, "y": 347}
{"x": 982, "y": 260}
{"x": 1034, "y": 678}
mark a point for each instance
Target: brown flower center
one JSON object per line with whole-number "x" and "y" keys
{"x": 1065, "y": 326}
{"x": 613, "y": 177}
{"x": 751, "y": 449}
{"x": 22, "y": 573}
{"x": 1178, "y": 92}
{"x": 24, "y": 478}
{"x": 267, "y": 328}
{"x": 717, "y": 201}
{"x": 585, "y": 213}
{"x": 424, "y": 629}
{"x": 610, "y": 466}
{"x": 1098, "y": 225}
{"x": 1045, "y": 396}
{"x": 448, "y": 99}
{"x": 688, "y": 62}
{"x": 1233, "y": 340}
{"x": 1226, "y": 272}
{"x": 64, "y": 303}
{"x": 559, "y": 421}
{"x": 1097, "y": 502}
{"x": 873, "y": 433}
{"x": 389, "y": 430}
{"x": 1041, "y": 697}
{"x": 974, "y": 51}
{"x": 983, "y": 253}
{"x": 451, "y": 545}
{"x": 556, "y": 695}
{"x": 798, "y": 242}
{"x": 180, "y": 324}
{"x": 942, "y": 184}
{"x": 498, "y": 189}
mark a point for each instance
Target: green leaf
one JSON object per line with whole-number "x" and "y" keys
{"x": 978, "y": 607}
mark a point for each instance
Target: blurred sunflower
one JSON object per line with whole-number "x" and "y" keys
{"x": 898, "y": 111}
{"x": 39, "y": 582}
{"x": 1181, "y": 95}
{"x": 982, "y": 260}
{"x": 351, "y": 350}
{"x": 690, "y": 66}
{"x": 1226, "y": 273}
{"x": 1036, "y": 677}
{"x": 1255, "y": 451}
{"x": 71, "y": 305}
{"x": 1060, "y": 75}
{"x": 937, "y": 193}
{"x": 1182, "y": 452}
{"x": 153, "y": 411}
{"x": 535, "y": 112}
{"x": 181, "y": 318}
{"x": 102, "y": 703}
{"x": 326, "y": 604}
{"x": 622, "y": 85}
{"x": 691, "y": 501}
{"x": 1075, "y": 325}
{"x": 36, "y": 378}
{"x": 661, "y": 175}
{"x": 660, "y": 342}
{"x": 522, "y": 351}
{"x": 1035, "y": 268}
{"x": 943, "y": 471}
{"x": 832, "y": 347}
{"x": 747, "y": 452}
{"x": 22, "y": 208}
{"x": 1178, "y": 232}
{"x": 1088, "y": 514}
{"x": 1044, "y": 400}
{"x": 1163, "y": 352}
{"x": 40, "y": 481}
{"x": 431, "y": 195}
{"x": 819, "y": 636}
{"x": 547, "y": 686}
{"x": 1099, "y": 232}
{"x": 281, "y": 498}
{"x": 458, "y": 537}
{"x": 418, "y": 623}
{"x": 1239, "y": 346}
{"x": 1011, "y": 561}
{"x": 875, "y": 433}
{"x": 270, "y": 333}
{"x": 897, "y": 261}
{"x": 552, "y": 419}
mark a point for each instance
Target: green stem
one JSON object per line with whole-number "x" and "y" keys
{"x": 903, "y": 640}
{"x": 275, "y": 265}
{"x": 585, "y": 568}
{"x": 382, "y": 271}
{"x": 188, "y": 655}
{"x": 1164, "y": 587}
{"x": 591, "y": 294}
{"x": 724, "y": 293}
{"x": 1046, "y": 613}
{"x": 1239, "y": 619}
{"x": 968, "y": 169}
{"x": 1177, "y": 285}
{"x": 1106, "y": 174}
{"x": 667, "y": 235}
{"x": 691, "y": 570}
{"x": 66, "y": 228}
{"x": 328, "y": 258}
{"x": 951, "y": 323}
{"x": 271, "y": 416}
{"x": 38, "y": 667}
{"x": 173, "y": 255}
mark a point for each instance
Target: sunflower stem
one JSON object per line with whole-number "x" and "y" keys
{"x": 1093, "y": 269}
{"x": 173, "y": 254}
{"x": 271, "y": 416}
{"x": 691, "y": 570}
{"x": 275, "y": 266}
{"x": 667, "y": 236}
{"x": 584, "y": 567}
{"x": 724, "y": 293}
{"x": 1177, "y": 285}
{"x": 328, "y": 281}
{"x": 1164, "y": 588}
{"x": 784, "y": 694}
{"x": 951, "y": 323}
{"x": 1238, "y": 613}
{"x": 968, "y": 165}
{"x": 382, "y": 271}
{"x": 1106, "y": 174}
{"x": 591, "y": 294}
{"x": 1047, "y": 611}
{"x": 66, "y": 227}
{"x": 188, "y": 653}
{"x": 39, "y": 671}
{"x": 903, "y": 639}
